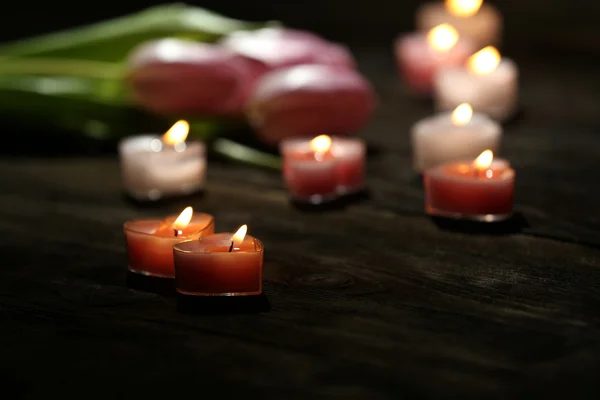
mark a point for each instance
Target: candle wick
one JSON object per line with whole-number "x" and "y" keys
{"x": 176, "y": 232}
{"x": 231, "y": 247}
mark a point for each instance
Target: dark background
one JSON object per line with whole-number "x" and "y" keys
{"x": 552, "y": 29}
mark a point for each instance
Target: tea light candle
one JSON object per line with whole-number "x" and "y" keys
{"x": 481, "y": 190}
{"x": 420, "y": 56}
{"x": 150, "y": 241}
{"x": 153, "y": 167}
{"x": 323, "y": 169}
{"x": 481, "y": 24}
{"x": 487, "y": 82}
{"x": 224, "y": 264}
{"x": 458, "y": 135}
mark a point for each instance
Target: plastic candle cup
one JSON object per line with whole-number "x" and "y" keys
{"x": 223, "y": 264}
{"x": 150, "y": 241}
{"x": 452, "y": 136}
{"x": 487, "y": 82}
{"x": 478, "y": 22}
{"x": 480, "y": 190}
{"x": 420, "y": 56}
{"x": 323, "y": 169}
{"x": 153, "y": 166}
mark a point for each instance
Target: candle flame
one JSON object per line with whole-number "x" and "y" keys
{"x": 177, "y": 133}
{"x": 463, "y": 8}
{"x": 442, "y": 38}
{"x": 462, "y": 114}
{"x": 183, "y": 220}
{"x": 239, "y": 236}
{"x": 484, "y": 160}
{"x": 320, "y": 144}
{"x": 484, "y": 61}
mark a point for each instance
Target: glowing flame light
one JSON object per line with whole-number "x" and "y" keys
{"x": 463, "y": 8}
{"x": 177, "y": 133}
{"x": 183, "y": 219}
{"x": 239, "y": 236}
{"x": 320, "y": 144}
{"x": 484, "y": 61}
{"x": 462, "y": 114}
{"x": 442, "y": 38}
{"x": 484, "y": 161}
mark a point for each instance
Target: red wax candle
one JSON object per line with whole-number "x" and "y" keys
{"x": 212, "y": 266}
{"x": 323, "y": 169}
{"x": 480, "y": 190}
{"x": 420, "y": 56}
{"x": 150, "y": 241}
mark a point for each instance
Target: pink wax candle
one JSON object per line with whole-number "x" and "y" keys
{"x": 480, "y": 190}
{"x": 481, "y": 23}
{"x": 323, "y": 169}
{"x": 224, "y": 264}
{"x": 420, "y": 56}
{"x": 150, "y": 241}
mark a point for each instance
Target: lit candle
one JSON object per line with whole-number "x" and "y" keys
{"x": 488, "y": 82}
{"x": 153, "y": 166}
{"x": 223, "y": 264}
{"x": 481, "y": 23}
{"x": 323, "y": 169}
{"x": 452, "y": 136}
{"x": 479, "y": 190}
{"x": 150, "y": 241}
{"x": 420, "y": 56}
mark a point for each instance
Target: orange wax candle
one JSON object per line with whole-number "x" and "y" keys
{"x": 223, "y": 264}
{"x": 150, "y": 241}
{"x": 481, "y": 190}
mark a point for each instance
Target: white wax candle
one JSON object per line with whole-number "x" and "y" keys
{"x": 440, "y": 139}
{"x": 483, "y": 27}
{"x": 494, "y": 93}
{"x": 152, "y": 169}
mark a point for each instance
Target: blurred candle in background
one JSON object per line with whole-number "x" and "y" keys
{"x": 223, "y": 264}
{"x": 487, "y": 82}
{"x": 420, "y": 56}
{"x": 452, "y": 136}
{"x": 480, "y": 23}
{"x": 150, "y": 241}
{"x": 323, "y": 169}
{"x": 480, "y": 190}
{"x": 153, "y": 166}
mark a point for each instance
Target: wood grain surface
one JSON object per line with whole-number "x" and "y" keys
{"x": 374, "y": 300}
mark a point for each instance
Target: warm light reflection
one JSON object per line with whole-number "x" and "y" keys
{"x": 484, "y": 161}
{"x": 239, "y": 236}
{"x": 320, "y": 144}
{"x": 183, "y": 220}
{"x": 484, "y": 61}
{"x": 462, "y": 114}
{"x": 463, "y": 8}
{"x": 177, "y": 133}
{"x": 442, "y": 38}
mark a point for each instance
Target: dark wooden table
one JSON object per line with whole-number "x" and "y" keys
{"x": 373, "y": 301}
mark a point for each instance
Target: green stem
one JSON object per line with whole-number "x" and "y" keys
{"x": 164, "y": 18}
{"x": 62, "y": 67}
{"x": 244, "y": 154}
